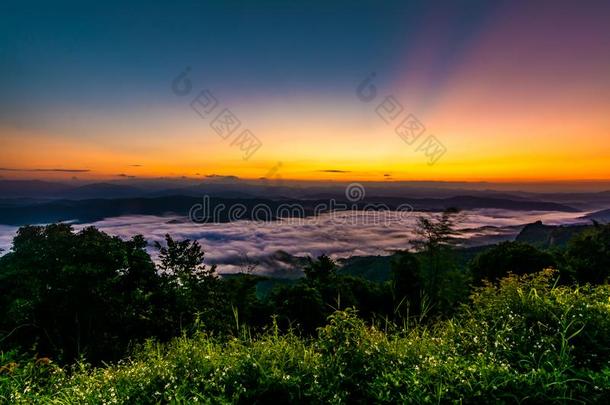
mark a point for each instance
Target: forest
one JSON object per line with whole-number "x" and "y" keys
{"x": 90, "y": 318}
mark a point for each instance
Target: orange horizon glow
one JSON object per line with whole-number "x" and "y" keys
{"x": 388, "y": 159}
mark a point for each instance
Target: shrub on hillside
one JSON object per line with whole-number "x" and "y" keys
{"x": 524, "y": 340}
{"x": 510, "y": 257}
{"x": 588, "y": 255}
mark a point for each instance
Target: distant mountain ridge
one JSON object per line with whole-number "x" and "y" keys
{"x": 282, "y": 190}
{"x": 599, "y": 216}
{"x": 92, "y": 210}
{"x": 541, "y": 235}
{"x": 102, "y": 190}
{"x": 30, "y": 188}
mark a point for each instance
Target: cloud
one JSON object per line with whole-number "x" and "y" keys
{"x": 228, "y": 244}
{"x": 126, "y": 176}
{"x": 221, "y": 177}
{"x": 135, "y": 165}
{"x": 11, "y": 169}
{"x": 6, "y": 237}
{"x": 334, "y": 171}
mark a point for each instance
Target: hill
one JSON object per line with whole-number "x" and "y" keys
{"x": 546, "y": 236}
{"x": 599, "y": 216}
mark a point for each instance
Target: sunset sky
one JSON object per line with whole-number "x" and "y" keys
{"x": 515, "y": 90}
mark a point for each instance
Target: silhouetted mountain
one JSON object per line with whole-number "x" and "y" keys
{"x": 101, "y": 190}
{"x": 213, "y": 190}
{"x": 423, "y": 195}
{"x": 599, "y": 216}
{"x": 541, "y": 235}
{"x": 582, "y": 201}
{"x": 97, "y": 209}
{"x": 473, "y": 202}
{"x": 374, "y": 268}
{"x": 38, "y": 189}
{"x": 30, "y": 188}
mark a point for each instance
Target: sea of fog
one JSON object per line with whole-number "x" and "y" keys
{"x": 351, "y": 233}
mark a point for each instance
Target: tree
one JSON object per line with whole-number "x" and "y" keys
{"x": 299, "y": 305}
{"x": 195, "y": 292}
{"x": 322, "y": 270}
{"x": 437, "y": 232}
{"x": 71, "y": 294}
{"x": 182, "y": 261}
{"x": 406, "y": 280}
{"x": 588, "y": 255}
{"x": 443, "y": 282}
{"x": 241, "y": 292}
{"x": 510, "y": 257}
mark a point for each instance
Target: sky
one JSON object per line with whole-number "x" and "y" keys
{"x": 498, "y": 91}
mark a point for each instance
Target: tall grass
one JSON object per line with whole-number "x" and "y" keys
{"x": 525, "y": 340}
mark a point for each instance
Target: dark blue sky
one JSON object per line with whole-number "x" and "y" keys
{"x": 90, "y": 54}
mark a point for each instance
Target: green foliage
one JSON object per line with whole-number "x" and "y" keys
{"x": 524, "y": 340}
{"x": 182, "y": 261}
{"x": 65, "y": 295}
{"x": 192, "y": 294}
{"x": 59, "y": 294}
{"x": 406, "y": 284}
{"x": 301, "y": 304}
{"x": 570, "y": 325}
{"x": 588, "y": 255}
{"x": 406, "y": 275}
{"x": 510, "y": 257}
{"x": 442, "y": 280}
{"x": 71, "y": 301}
{"x": 306, "y": 304}
{"x": 320, "y": 271}
{"x": 437, "y": 232}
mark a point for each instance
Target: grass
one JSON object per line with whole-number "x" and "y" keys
{"x": 524, "y": 341}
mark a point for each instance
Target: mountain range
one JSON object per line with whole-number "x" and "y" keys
{"x": 35, "y": 201}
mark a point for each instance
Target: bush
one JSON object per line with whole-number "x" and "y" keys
{"x": 524, "y": 340}
{"x": 66, "y": 294}
{"x": 510, "y": 257}
{"x": 61, "y": 296}
{"x": 588, "y": 255}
